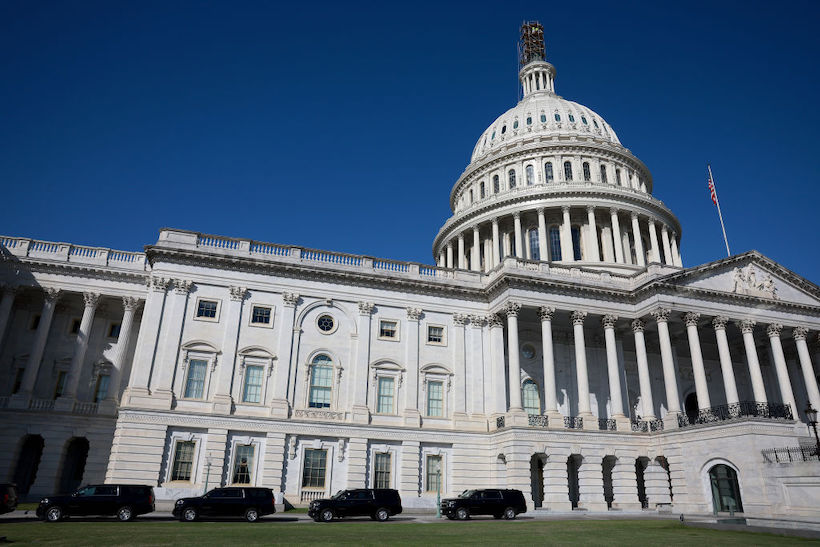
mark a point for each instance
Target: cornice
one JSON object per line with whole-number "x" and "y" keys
{"x": 85, "y": 270}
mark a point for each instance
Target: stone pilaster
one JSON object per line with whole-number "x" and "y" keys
{"x": 279, "y": 405}
{"x": 412, "y": 415}
{"x": 356, "y": 454}
{"x": 216, "y": 450}
{"x": 410, "y": 470}
{"x": 556, "y": 482}
{"x": 591, "y": 483}
{"x": 625, "y": 482}
{"x": 223, "y": 401}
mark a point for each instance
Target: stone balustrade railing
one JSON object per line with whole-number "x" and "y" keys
{"x": 76, "y": 254}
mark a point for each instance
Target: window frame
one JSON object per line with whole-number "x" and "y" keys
{"x": 176, "y": 439}
{"x": 195, "y": 351}
{"x": 511, "y": 179}
{"x": 217, "y": 313}
{"x": 496, "y": 184}
{"x": 397, "y": 332}
{"x": 187, "y": 379}
{"x": 529, "y": 175}
{"x": 577, "y": 245}
{"x": 335, "y": 323}
{"x": 252, "y": 307}
{"x": 554, "y": 242}
{"x": 375, "y": 471}
{"x": 568, "y": 175}
{"x": 428, "y": 455}
{"x": 586, "y": 171}
{"x": 443, "y": 328}
{"x": 335, "y": 369}
{"x": 258, "y": 357}
{"x": 530, "y": 381}
{"x": 303, "y": 468}
{"x": 255, "y": 469}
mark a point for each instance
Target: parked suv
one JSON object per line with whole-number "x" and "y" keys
{"x": 8, "y": 498}
{"x": 126, "y": 501}
{"x": 379, "y": 504}
{"x": 235, "y": 501}
{"x": 498, "y": 503}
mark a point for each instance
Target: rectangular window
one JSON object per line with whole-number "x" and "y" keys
{"x": 60, "y": 385}
{"x": 435, "y": 399}
{"x": 471, "y": 197}
{"x": 388, "y": 329}
{"x": 252, "y": 391}
{"x": 18, "y": 380}
{"x": 114, "y": 330}
{"x": 183, "y": 461}
{"x": 243, "y": 464}
{"x": 195, "y": 383}
{"x": 435, "y": 335}
{"x": 382, "y": 464}
{"x": 482, "y": 191}
{"x": 260, "y": 315}
{"x": 321, "y": 383}
{"x": 313, "y": 474}
{"x": 433, "y": 476}
{"x": 101, "y": 390}
{"x": 385, "y": 403}
{"x": 207, "y": 309}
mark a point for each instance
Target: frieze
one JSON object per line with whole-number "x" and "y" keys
{"x": 744, "y": 281}
{"x": 318, "y": 414}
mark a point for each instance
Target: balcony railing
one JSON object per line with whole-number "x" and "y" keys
{"x": 742, "y": 409}
{"x": 41, "y": 404}
{"x": 499, "y": 422}
{"x": 605, "y": 424}
{"x": 538, "y": 420}
{"x": 647, "y": 426}
{"x": 791, "y": 454}
{"x": 573, "y": 422}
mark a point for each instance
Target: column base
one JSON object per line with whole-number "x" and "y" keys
{"x": 360, "y": 415}
{"x": 162, "y": 399}
{"x": 279, "y": 408}
{"x": 590, "y": 421}
{"x": 622, "y": 423}
{"x": 556, "y": 505}
{"x": 555, "y": 420}
{"x": 222, "y": 404}
{"x": 412, "y": 417}
{"x": 135, "y": 396}
{"x": 64, "y": 404}
{"x": 20, "y": 400}
{"x": 516, "y": 417}
{"x": 598, "y": 506}
{"x": 670, "y": 421}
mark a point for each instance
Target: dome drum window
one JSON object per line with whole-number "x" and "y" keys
{"x": 587, "y": 174}
{"x": 529, "y": 120}
{"x": 543, "y": 118}
{"x": 557, "y": 117}
{"x": 503, "y": 129}
{"x": 584, "y": 120}
{"x": 571, "y": 118}
{"x": 567, "y": 171}
{"x": 515, "y": 124}
{"x": 530, "y": 175}
{"x": 326, "y": 324}
{"x": 511, "y": 178}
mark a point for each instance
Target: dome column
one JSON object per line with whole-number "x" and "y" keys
{"x": 636, "y": 236}
{"x": 449, "y": 254}
{"x": 519, "y": 247}
{"x": 475, "y": 251}
{"x": 654, "y": 251}
{"x": 542, "y": 236}
{"x": 592, "y": 238}
{"x": 616, "y": 236}
{"x": 496, "y": 252}
{"x": 667, "y": 250}
{"x": 462, "y": 259}
{"x": 566, "y": 237}
{"x": 676, "y": 259}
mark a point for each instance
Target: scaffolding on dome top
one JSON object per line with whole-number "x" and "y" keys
{"x": 531, "y": 45}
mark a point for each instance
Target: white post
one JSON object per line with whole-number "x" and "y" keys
{"x": 643, "y": 370}
{"x": 80, "y": 347}
{"x": 449, "y": 254}
{"x": 36, "y": 353}
{"x": 130, "y": 305}
{"x": 462, "y": 259}
{"x": 676, "y": 259}
{"x": 581, "y": 367}
{"x": 701, "y": 386}
{"x": 654, "y": 251}
{"x": 786, "y": 393}
{"x": 661, "y": 316}
{"x": 799, "y": 334}
{"x": 616, "y": 236}
{"x": 592, "y": 236}
{"x": 567, "y": 254}
{"x": 279, "y": 403}
{"x": 550, "y": 397}
{"x": 475, "y": 252}
{"x": 460, "y": 365}
{"x": 542, "y": 236}
{"x": 361, "y": 414}
{"x": 496, "y": 327}
{"x": 667, "y": 250}
{"x": 616, "y": 401}
{"x": 519, "y": 247}
{"x": 636, "y": 235}
{"x": 146, "y": 341}
{"x": 512, "y": 309}
{"x": 496, "y": 254}
{"x": 227, "y": 362}
{"x": 729, "y": 384}
{"x": 166, "y": 360}
{"x": 758, "y": 387}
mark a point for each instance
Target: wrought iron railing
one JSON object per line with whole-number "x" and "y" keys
{"x": 605, "y": 424}
{"x": 791, "y": 454}
{"x": 742, "y": 409}
{"x": 499, "y": 422}
{"x": 538, "y": 420}
{"x": 573, "y": 422}
{"x": 647, "y": 426}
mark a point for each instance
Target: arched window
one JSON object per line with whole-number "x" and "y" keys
{"x": 587, "y": 175}
{"x": 321, "y": 382}
{"x": 511, "y": 178}
{"x": 603, "y": 173}
{"x": 481, "y": 189}
{"x": 557, "y": 117}
{"x": 543, "y": 118}
{"x": 567, "y": 170}
{"x": 576, "y": 242}
{"x": 725, "y": 489}
{"x": 535, "y": 250}
{"x": 555, "y": 243}
{"x": 503, "y": 129}
{"x": 584, "y": 120}
{"x": 548, "y": 172}
{"x": 530, "y": 175}
{"x": 515, "y": 124}
{"x": 529, "y": 120}
{"x": 495, "y": 184}
{"x": 595, "y": 123}
{"x": 571, "y": 118}
{"x": 530, "y": 398}
{"x": 618, "y": 176}
{"x": 493, "y": 136}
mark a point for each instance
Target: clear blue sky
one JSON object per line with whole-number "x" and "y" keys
{"x": 343, "y": 126}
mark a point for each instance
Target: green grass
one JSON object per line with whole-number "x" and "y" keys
{"x": 519, "y": 532}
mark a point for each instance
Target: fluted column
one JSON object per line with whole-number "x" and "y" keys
{"x": 227, "y": 365}
{"x": 729, "y": 384}
{"x": 643, "y": 370}
{"x": 667, "y": 250}
{"x": 543, "y": 249}
{"x": 519, "y": 246}
{"x": 758, "y": 387}
{"x": 616, "y": 401}
{"x": 80, "y": 348}
{"x": 701, "y": 387}
{"x": 35, "y": 356}
{"x": 361, "y": 414}
{"x": 676, "y": 259}
{"x": 496, "y": 327}
{"x": 592, "y": 240}
{"x": 786, "y": 393}
{"x": 130, "y": 306}
{"x": 616, "y": 236}
{"x": 654, "y": 251}
{"x": 546, "y": 314}
{"x": 581, "y": 367}
{"x": 462, "y": 258}
{"x": 496, "y": 254}
{"x": 5, "y": 308}
{"x": 475, "y": 252}
{"x": 636, "y": 236}
{"x": 566, "y": 237}
{"x": 799, "y": 334}
{"x": 670, "y": 379}
{"x": 512, "y": 309}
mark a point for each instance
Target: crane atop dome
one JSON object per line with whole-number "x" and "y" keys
{"x": 531, "y": 45}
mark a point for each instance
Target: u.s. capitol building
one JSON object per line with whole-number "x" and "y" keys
{"x": 559, "y": 347}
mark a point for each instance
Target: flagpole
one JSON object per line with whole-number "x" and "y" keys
{"x": 717, "y": 202}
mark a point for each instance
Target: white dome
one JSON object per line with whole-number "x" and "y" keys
{"x": 543, "y": 114}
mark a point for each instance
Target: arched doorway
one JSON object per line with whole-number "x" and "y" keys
{"x": 31, "y": 451}
{"x": 691, "y": 408}
{"x": 664, "y": 463}
{"x": 573, "y": 464}
{"x": 640, "y": 466}
{"x": 537, "y": 479}
{"x": 725, "y": 489}
{"x": 76, "y": 454}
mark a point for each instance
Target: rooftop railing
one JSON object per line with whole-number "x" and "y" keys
{"x": 75, "y": 254}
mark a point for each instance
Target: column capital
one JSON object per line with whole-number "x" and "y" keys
{"x": 539, "y": 210}
{"x": 182, "y": 286}
{"x": 608, "y": 321}
{"x": 661, "y": 315}
{"x": 413, "y": 314}
{"x": 494, "y": 320}
{"x": 590, "y": 209}
{"x": 664, "y": 228}
{"x": 475, "y": 228}
{"x": 495, "y": 221}
{"x": 159, "y": 284}
{"x": 238, "y": 294}
{"x": 633, "y": 215}
{"x": 461, "y": 236}
{"x": 52, "y": 294}
{"x": 774, "y": 329}
{"x": 290, "y": 299}
{"x": 130, "y": 303}
{"x": 746, "y": 325}
{"x": 476, "y": 320}
{"x": 512, "y": 308}
{"x": 578, "y": 317}
{"x": 460, "y": 319}
{"x": 565, "y": 208}
{"x": 720, "y": 322}
{"x": 614, "y": 210}
{"x": 517, "y": 215}
{"x": 638, "y": 325}
{"x": 91, "y": 299}
{"x": 365, "y": 308}
{"x": 800, "y": 333}
{"x": 651, "y": 221}
{"x": 546, "y": 313}
{"x": 691, "y": 319}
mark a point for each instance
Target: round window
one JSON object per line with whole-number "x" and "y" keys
{"x": 528, "y": 351}
{"x": 325, "y": 323}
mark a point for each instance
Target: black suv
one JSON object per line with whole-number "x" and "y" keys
{"x": 126, "y": 501}
{"x": 498, "y": 503}
{"x": 235, "y": 501}
{"x": 379, "y": 504}
{"x": 8, "y": 498}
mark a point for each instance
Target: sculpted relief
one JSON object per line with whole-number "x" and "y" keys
{"x": 745, "y": 282}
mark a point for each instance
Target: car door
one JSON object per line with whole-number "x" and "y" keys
{"x": 106, "y": 500}
{"x": 212, "y": 502}
{"x": 492, "y": 502}
{"x": 82, "y": 501}
{"x": 234, "y": 502}
{"x": 364, "y": 503}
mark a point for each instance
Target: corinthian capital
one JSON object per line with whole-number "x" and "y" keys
{"x": 51, "y": 294}
{"x": 691, "y": 319}
{"x": 512, "y": 308}
{"x": 91, "y": 299}
{"x": 130, "y": 303}
{"x": 608, "y": 321}
{"x": 638, "y": 325}
{"x": 494, "y": 320}
{"x": 720, "y": 322}
{"x": 774, "y": 330}
{"x": 182, "y": 286}
{"x": 460, "y": 319}
{"x": 159, "y": 284}
{"x": 746, "y": 326}
{"x": 238, "y": 294}
{"x": 800, "y": 333}
{"x": 413, "y": 314}
{"x": 365, "y": 308}
{"x": 546, "y": 313}
{"x": 578, "y": 317}
{"x": 290, "y": 299}
{"x": 660, "y": 314}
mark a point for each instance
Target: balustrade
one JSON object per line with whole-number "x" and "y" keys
{"x": 742, "y": 409}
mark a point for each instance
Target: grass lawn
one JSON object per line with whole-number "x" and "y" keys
{"x": 589, "y": 532}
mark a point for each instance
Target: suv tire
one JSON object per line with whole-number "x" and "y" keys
{"x": 462, "y": 513}
{"x": 509, "y": 513}
{"x": 326, "y": 515}
{"x": 54, "y": 514}
{"x": 125, "y": 513}
{"x": 251, "y": 514}
{"x": 189, "y": 514}
{"x": 381, "y": 514}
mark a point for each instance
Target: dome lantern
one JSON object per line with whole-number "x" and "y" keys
{"x": 536, "y": 74}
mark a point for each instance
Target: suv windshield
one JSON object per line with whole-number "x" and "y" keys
{"x": 467, "y": 494}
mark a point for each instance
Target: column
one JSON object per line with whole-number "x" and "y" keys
{"x": 581, "y": 370}
{"x": 166, "y": 360}
{"x": 729, "y": 384}
{"x": 799, "y": 334}
{"x": 625, "y": 482}
{"x": 488, "y": 254}
{"x": 512, "y": 309}
{"x": 591, "y": 483}
{"x": 5, "y": 308}
{"x": 670, "y": 380}
{"x": 462, "y": 258}
{"x": 556, "y": 482}
{"x": 475, "y": 252}
{"x": 616, "y": 236}
{"x": 460, "y": 366}
{"x": 643, "y": 370}
{"x": 616, "y": 401}
{"x": 636, "y": 235}
{"x": 146, "y": 341}
{"x": 499, "y": 403}
{"x": 66, "y": 401}
{"x": 412, "y": 416}
{"x": 758, "y": 387}
{"x": 592, "y": 239}
{"x": 519, "y": 246}
{"x": 130, "y": 305}
{"x": 566, "y": 237}
{"x": 442, "y": 260}
{"x": 227, "y": 362}
{"x": 654, "y": 251}
{"x": 786, "y": 393}
{"x": 656, "y": 482}
{"x": 279, "y": 405}
{"x": 701, "y": 387}
{"x": 543, "y": 249}
{"x": 676, "y": 259}
{"x": 546, "y": 314}
{"x": 22, "y": 397}
{"x": 496, "y": 256}
{"x": 361, "y": 414}
{"x": 449, "y": 254}
{"x": 667, "y": 250}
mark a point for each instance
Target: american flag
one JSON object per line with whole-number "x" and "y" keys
{"x": 712, "y": 188}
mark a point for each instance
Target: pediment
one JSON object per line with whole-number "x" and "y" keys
{"x": 750, "y": 275}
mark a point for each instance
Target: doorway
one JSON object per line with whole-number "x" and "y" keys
{"x": 725, "y": 489}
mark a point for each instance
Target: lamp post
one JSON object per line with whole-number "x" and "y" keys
{"x": 438, "y": 493}
{"x": 811, "y": 416}
{"x": 207, "y": 472}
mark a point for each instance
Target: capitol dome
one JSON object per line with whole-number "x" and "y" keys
{"x": 549, "y": 181}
